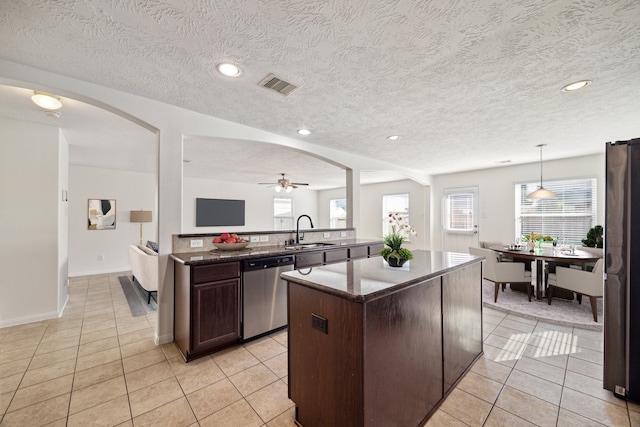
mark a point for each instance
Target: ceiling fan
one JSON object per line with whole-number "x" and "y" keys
{"x": 283, "y": 183}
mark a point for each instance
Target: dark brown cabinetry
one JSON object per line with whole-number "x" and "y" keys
{"x": 336, "y": 254}
{"x": 360, "y": 357}
{"x": 207, "y": 307}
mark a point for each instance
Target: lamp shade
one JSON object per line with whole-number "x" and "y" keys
{"x": 140, "y": 216}
{"x": 542, "y": 193}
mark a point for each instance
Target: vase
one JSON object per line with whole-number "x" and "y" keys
{"x": 395, "y": 262}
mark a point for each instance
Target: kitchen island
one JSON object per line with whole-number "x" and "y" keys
{"x": 373, "y": 345}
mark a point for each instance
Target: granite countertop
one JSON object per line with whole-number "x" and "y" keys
{"x": 361, "y": 280}
{"x": 216, "y": 256}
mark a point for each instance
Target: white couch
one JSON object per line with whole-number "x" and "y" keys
{"x": 144, "y": 266}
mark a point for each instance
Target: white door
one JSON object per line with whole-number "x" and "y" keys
{"x": 460, "y": 219}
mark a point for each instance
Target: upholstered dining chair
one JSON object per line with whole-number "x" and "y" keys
{"x": 582, "y": 282}
{"x": 501, "y": 273}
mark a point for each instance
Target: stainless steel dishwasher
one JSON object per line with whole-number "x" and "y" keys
{"x": 264, "y": 295}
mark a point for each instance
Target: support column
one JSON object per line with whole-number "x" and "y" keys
{"x": 353, "y": 198}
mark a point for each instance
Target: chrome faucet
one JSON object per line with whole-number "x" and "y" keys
{"x": 298, "y": 227}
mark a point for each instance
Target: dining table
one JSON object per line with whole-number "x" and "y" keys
{"x": 544, "y": 254}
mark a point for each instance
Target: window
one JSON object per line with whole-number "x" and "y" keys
{"x": 459, "y": 210}
{"x": 338, "y": 213}
{"x": 394, "y": 203}
{"x": 568, "y": 217}
{"x": 282, "y": 214}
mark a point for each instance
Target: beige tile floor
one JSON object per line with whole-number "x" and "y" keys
{"x": 97, "y": 365}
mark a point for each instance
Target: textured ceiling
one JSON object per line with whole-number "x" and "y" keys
{"x": 465, "y": 83}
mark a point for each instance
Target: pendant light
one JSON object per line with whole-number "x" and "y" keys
{"x": 541, "y": 192}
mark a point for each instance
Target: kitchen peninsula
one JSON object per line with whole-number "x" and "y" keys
{"x": 373, "y": 345}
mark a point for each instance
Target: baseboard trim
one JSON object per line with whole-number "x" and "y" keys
{"x": 163, "y": 339}
{"x": 29, "y": 319}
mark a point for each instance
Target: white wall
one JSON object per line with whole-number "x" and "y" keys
{"x": 29, "y": 226}
{"x": 131, "y": 191}
{"x": 258, "y": 203}
{"x": 371, "y": 209}
{"x": 497, "y": 192}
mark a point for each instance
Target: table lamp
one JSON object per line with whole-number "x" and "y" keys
{"x": 140, "y": 216}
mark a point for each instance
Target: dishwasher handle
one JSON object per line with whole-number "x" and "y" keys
{"x": 264, "y": 263}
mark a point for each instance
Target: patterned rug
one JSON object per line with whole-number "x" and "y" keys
{"x": 561, "y": 312}
{"x": 137, "y": 297}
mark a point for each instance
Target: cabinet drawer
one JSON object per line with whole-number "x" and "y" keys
{"x": 309, "y": 259}
{"x": 336, "y": 255}
{"x": 375, "y": 249}
{"x": 358, "y": 252}
{"x": 214, "y": 272}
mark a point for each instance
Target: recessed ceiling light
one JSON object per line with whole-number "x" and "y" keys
{"x": 501, "y": 162}
{"x": 393, "y": 137}
{"x": 576, "y": 85}
{"x": 229, "y": 69}
{"x": 46, "y": 100}
{"x": 304, "y": 131}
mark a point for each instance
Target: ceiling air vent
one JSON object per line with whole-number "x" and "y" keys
{"x": 279, "y": 85}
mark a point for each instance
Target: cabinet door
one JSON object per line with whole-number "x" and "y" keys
{"x": 216, "y": 317}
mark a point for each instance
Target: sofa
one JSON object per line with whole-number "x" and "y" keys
{"x": 144, "y": 267}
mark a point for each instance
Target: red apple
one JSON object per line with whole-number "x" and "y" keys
{"x": 231, "y": 240}
{"x": 224, "y": 236}
{"x": 217, "y": 240}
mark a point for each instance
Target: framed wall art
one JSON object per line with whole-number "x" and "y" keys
{"x": 102, "y": 214}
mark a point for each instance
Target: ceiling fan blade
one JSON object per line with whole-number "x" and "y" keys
{"x": 299, "y": 183}
{"x": 267, "y": 183}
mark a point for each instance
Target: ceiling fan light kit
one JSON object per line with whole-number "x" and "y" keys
{"x": 284, "y": 183}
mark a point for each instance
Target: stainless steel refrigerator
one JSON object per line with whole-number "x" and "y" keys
{"x": 622, "y": 270}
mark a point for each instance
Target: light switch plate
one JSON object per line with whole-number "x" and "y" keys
{"x": 255, "y": 239}
{"x": 343, "y": 234}
{"x": 264, "y": 238}
{"x": 326, "y": 235}
{"x": 196, "y": 243}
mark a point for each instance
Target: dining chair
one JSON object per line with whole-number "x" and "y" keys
{"x": 582, "y": 282}
{"x": 501, "y": 273}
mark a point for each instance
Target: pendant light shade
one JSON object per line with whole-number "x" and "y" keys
{"x": 541, "y": 192}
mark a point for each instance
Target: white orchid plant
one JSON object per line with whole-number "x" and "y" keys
{"x": 393, "y": 241}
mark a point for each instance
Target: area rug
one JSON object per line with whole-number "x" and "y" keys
{"x": 561, "y": 312}
{"x": 137, "y": 297}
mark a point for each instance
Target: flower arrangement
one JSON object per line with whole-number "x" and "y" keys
{"x": 393, "y": 251}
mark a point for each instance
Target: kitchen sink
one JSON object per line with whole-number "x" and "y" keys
{"x": 301, "y": 246}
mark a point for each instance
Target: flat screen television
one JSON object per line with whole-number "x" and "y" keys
{"x": 219, "y": 212}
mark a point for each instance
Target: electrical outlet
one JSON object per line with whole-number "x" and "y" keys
{"x": 196, "y": 243}
{"x": 100, "y": 257}
{"x": 255, "y": 239}
{"x": 264, "y": 238}
{"x": 326, "y": 235}
{"x": 343, "y": 234}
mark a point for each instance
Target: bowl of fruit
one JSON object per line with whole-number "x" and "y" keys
{"x": 229, "y": 242}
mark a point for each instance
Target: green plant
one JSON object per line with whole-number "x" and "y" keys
{"x": 594, "y": 237}
{"x": 394, "y": 240}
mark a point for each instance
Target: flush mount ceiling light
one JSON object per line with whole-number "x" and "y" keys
{"x": 541, "y": 192}
{"x": 571, "y": 87}
{"x": 393, "y": 137}
{"x": 229, "y": 70}
{"x": 46, "y": 100}
{"x": 304, "y": 132}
